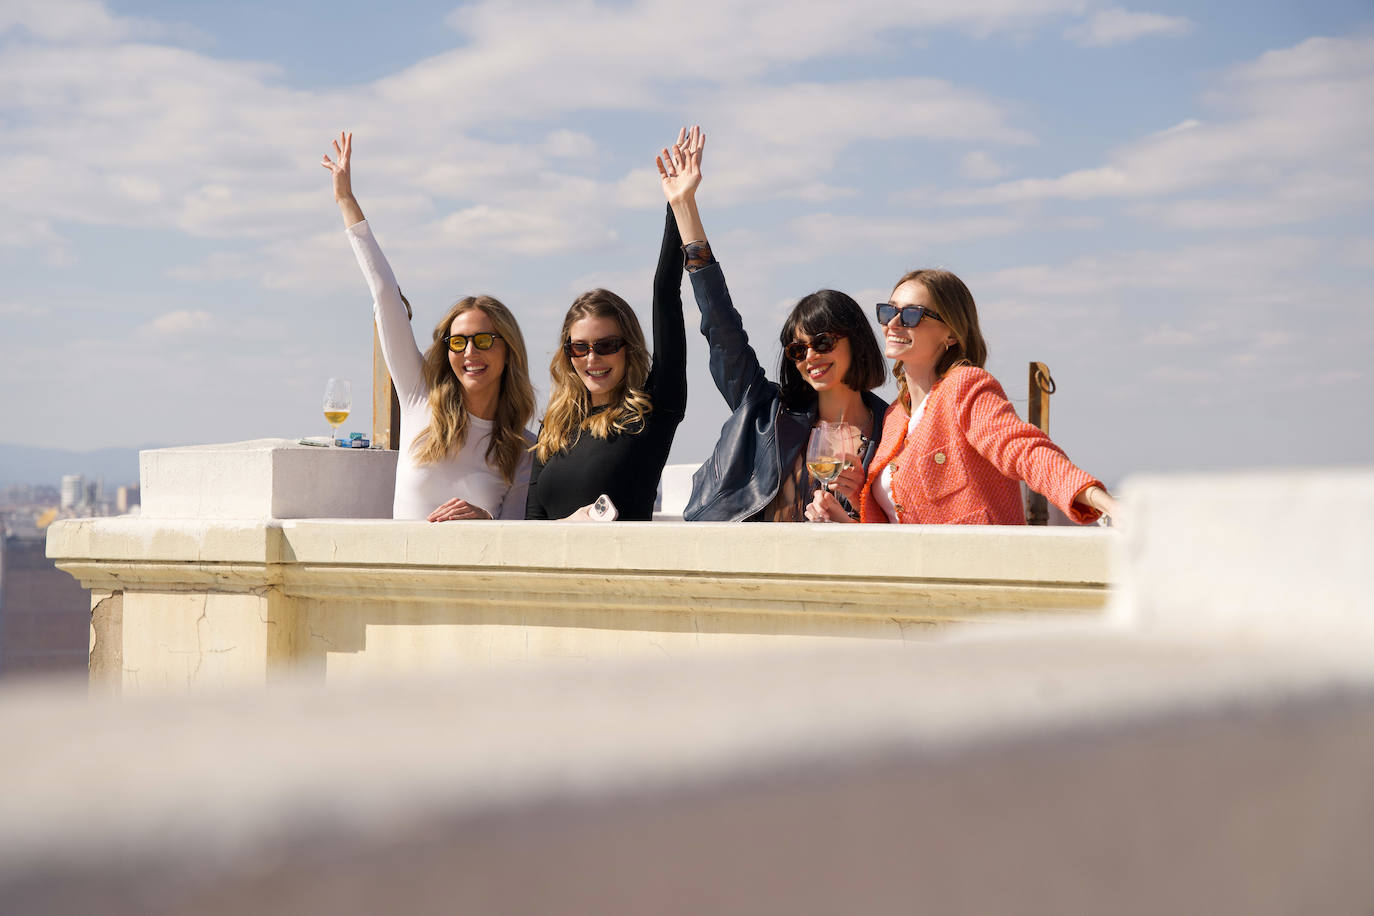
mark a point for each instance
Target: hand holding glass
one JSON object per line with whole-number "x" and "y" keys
{"x": 827, "y": 449}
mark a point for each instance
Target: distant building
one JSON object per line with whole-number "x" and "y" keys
{"x": 73, "y": 491}
{"x": 125, "y": 499}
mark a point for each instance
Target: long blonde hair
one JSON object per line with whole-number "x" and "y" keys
{"x": 570, "y": 403}
{"x": 448, "y": 414}
{"x": 955, "y": 306}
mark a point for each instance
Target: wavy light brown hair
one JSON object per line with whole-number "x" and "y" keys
{"x": 570, "y": 404}
{"x": 956, "y": 308}
{"x": 448, "y": 414}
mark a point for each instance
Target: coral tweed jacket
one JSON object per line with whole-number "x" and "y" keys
{"x": 962, "y": 464}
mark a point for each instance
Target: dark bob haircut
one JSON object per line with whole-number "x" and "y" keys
{"x": 833, "y": 311}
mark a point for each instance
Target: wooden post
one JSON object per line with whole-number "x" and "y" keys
{"x": 1038, "y": 414}
{"x": 386, "y": 407}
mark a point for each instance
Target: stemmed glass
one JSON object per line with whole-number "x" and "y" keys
{"x": 828, "y": 448}
{"x": 338, "y": 401}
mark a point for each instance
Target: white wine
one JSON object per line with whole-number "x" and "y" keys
{"x": 824, "y": 467}
{"x": 335, "y": 417}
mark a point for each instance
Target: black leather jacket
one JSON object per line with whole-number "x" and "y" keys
{"x": 761, "y": 437}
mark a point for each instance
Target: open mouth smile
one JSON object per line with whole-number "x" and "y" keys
{"x": 598, "y": 373}
{"x": 818, "y": 370}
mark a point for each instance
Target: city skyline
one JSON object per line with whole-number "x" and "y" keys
{"x": 1168, "y": 205}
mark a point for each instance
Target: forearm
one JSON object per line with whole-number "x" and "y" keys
{"x": 670, "y": 337}
{"x": 1020, "y": 450}
{"x": 688, "y": 218}
{"x": 349, "y": 209}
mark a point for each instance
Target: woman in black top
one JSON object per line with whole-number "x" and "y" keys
{"x": 830, "y": 361}
{"x": 615, "y": 406}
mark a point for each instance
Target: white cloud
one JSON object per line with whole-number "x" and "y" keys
{"x": 85, "y": 21}
{"x": 1169, "y": 336}
{"x": 178, "y": 323}
{"x": 1326, "y": 378}
{"x": 836, "y": 232}
{"x": 219, "y": 149}
{"x": 1358, "y": 252}
{"x": 1295, "y": 141}
{"x": 569, "y": 144}
{"x": 1117, "y": 26}
{"x": 979, "y": 166}
{"x": 63, "y": 20}
{"x": 1246, "y": 271}
{"x": 22, "y": 310}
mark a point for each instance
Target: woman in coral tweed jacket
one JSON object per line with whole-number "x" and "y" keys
{"x": 959, "y": 461}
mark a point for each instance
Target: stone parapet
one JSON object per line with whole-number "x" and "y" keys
{"x": 214, "y": 602}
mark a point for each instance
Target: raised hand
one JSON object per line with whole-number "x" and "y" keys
{"x": 341, "y": 169}
{"x": 679, "y": 169}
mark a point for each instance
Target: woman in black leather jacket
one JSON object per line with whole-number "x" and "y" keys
{"x": 830, "y": 362}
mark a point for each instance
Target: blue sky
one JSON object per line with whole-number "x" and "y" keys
{"x": 1170, "y": 205}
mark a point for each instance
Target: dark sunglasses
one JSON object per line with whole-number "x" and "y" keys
{"x": 823, "y": 342}
{"x": 482, "y": 341}
{"x": 603, "y": 347}
{"x": 911, "y": 314}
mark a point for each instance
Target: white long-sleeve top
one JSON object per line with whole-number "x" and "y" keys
{"x": 422, "y": 488}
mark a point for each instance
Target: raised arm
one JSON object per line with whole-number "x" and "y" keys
{"x": 1022, "y": 451}
{"x": 392, "y": 314}
{"x": 735, "y": 367}
{"x": 668, "y": 379}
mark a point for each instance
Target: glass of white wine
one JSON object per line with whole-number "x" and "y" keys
{"x": 338, "y": 402}
{"x": 827, "y": 449}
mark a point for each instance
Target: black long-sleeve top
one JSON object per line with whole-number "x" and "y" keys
{"x": 627, "y": 466}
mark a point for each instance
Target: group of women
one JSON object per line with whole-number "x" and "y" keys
{"x": 949, "y": 450}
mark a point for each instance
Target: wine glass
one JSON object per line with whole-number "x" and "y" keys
{"x": 827, "y": 448}
{"x": 338, "y": 401}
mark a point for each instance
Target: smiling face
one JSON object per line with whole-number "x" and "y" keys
{"x": 478, "y": 371}
{"x": 824, "y": 371}
{"x": 603, "y": 375}
{"x": 921, "y": 347}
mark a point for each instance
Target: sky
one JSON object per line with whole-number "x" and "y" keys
{"x": 1169, "y": 204}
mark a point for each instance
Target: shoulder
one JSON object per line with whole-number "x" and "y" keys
{"x": 964, "y": 381}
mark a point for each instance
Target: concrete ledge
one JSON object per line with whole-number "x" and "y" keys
{"x": 207, "y": 602}
{"x": 267, "y": 478}
{"x": 1260, "y": 556}
{"x": 1065, "y": 774}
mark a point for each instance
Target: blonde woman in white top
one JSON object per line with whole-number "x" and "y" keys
{"x": 465, "y": 402}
